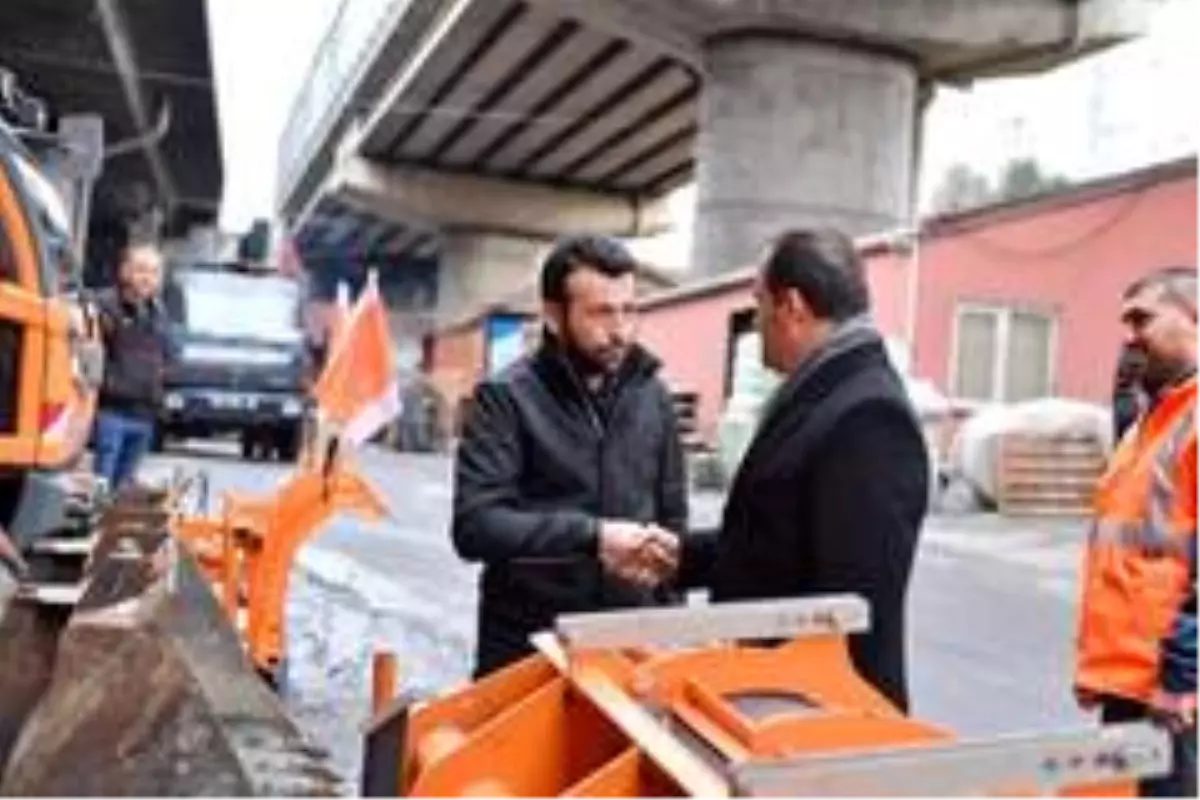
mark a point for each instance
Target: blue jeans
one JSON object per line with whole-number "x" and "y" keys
{"x": 121, "y": 441}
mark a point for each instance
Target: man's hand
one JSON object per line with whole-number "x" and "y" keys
{"x": 1177, "y": 711}
{"x": 644, "y": 555}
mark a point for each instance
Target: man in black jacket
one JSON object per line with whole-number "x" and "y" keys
{"x": 832, "y": 491}
{"x": 133, "y": 327}
{"x": 569, "y": 482}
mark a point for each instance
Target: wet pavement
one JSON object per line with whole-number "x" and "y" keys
{"x": 991, "y": 612}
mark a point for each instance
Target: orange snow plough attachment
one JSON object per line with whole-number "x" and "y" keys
{"x": 248, "y": 547}
{"x": 650, "y": 703}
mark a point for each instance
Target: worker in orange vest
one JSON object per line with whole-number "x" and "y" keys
{"x": 1137, "y": 628}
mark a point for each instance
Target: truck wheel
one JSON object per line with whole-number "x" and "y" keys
{"x": 248, "y": 445}
{"x": 287, "y": 443}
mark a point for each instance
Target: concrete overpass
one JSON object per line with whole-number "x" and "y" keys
{"x": 478, "y": 128}
{"x": 142, "y": 66}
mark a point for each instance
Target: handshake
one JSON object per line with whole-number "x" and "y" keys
{"x": 645, "y": 555}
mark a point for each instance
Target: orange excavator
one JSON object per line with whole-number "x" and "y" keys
{"x": 94, "y": 589}
{"x": 50, "y": 359}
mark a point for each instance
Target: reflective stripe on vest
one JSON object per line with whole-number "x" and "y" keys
{"x": 1155, "y": 534}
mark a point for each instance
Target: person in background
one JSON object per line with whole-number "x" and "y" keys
{"x": 569, "y": 481}
{"x": 831, "y": 494}
{"x": 134, "y": 331}
{"x": 1136, "y": 641}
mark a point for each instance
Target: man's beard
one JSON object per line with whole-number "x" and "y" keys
{"x": 1160, "y": 373}
{"x": 589, "y": 365}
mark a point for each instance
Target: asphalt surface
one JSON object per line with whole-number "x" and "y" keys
{"x": 991, "y": 607}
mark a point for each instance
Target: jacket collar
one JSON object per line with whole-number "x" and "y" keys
{"x": 853, "y": 334}
{"x": 812, "y": 383}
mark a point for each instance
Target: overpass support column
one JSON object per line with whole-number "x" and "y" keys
{"x": 799, "y": 133}
{"x": 479, "y": 267}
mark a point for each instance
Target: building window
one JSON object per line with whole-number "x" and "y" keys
{"x": 1002, "y": 354}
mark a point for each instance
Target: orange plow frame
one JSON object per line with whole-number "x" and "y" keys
{"x": 603, "y": 715}
{"x": 247, "y": 549}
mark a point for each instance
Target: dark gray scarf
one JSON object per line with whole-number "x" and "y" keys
{"x": 851, "y": 334}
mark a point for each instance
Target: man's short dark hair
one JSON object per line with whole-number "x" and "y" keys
{"x": 1177, "y": 284}
{"x": 823, "y": 266}
{"x": 570, "y": 253}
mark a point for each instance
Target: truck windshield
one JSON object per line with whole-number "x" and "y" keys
{"x": 225, "y": 304}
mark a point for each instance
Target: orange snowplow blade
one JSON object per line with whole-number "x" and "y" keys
{"x": 248, "y": 548}
{"x": 656, "y": 702}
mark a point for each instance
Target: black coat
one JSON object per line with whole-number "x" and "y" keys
{"x": 539, "y": 465}
{"x": 829, "y": 498}
{"x": 136, "y": 344}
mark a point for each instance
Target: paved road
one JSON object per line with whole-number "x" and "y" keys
{"x": 991, "y": 608}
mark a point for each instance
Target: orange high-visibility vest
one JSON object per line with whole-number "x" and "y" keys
{"x": 1136, "y": 566}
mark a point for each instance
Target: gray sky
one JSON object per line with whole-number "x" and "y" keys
{"x": 261, "y": 53}
{"x": 1113, "y": 112}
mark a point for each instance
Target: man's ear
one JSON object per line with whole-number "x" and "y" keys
{"x": 554, "y": 315}
{"x": 793, "y": 304}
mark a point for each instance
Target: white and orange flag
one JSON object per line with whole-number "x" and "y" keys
{"x": 358, "y": 391}
{"x": 338, "y": 315}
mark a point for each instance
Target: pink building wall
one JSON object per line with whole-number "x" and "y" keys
{"x": 1073, "y": 259}
{"x": 1071, "y": 254}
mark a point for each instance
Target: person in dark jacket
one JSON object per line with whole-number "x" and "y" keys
{"x": 569, "y": 481}
{"x": 831, "y": 494}
{"x": 134, "y": 332}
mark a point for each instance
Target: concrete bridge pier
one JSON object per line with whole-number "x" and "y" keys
{"x": 480, "y": 266}
{"x": 794, "y": 132}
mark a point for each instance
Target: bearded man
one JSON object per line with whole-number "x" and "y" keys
{"x": 569, "y": 479}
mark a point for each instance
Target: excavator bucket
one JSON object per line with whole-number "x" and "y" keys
{"x": 659, "y": 702}
{"x": 29, "y": 640}
{"x": 150, "y": 692}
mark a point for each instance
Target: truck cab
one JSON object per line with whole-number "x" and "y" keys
{"x": 238, "y": 361}
{"x": 50, "y": 360}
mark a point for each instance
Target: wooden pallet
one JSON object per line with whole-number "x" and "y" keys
{"x": 1048, "y": 475}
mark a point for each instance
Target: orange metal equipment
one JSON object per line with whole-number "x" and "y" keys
{"x": 651, "y": 703}
{"x": 248, "y": 547}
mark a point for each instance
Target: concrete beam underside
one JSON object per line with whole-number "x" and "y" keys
{"x": 480, "y": 268}
{"x": 950, "y": 40}
{"x": 484, "y": 204}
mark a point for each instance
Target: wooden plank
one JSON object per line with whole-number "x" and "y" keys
{"x": 771, "y": 619}
{"x": 1044, "y": 476}
{"x": 1048, "y": 495}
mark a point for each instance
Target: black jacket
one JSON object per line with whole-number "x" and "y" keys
{"x": 135, "y": 354}
{"x": 829, "y": 498}
{"x": 539, "y": 464}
